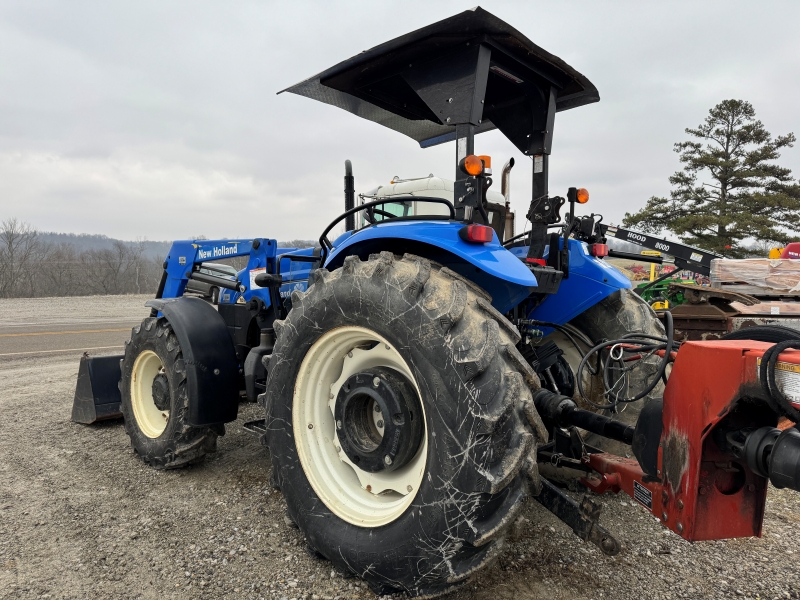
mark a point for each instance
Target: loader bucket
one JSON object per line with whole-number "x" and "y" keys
{"x": 97, "y": 396}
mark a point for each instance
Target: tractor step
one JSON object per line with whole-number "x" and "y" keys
{"x": 257, "y": 428}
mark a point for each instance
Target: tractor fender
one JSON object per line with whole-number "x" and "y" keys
{"x": 504, "y": 276}
{"x": 590, "y": 281}
{"x": 212, "y": 370}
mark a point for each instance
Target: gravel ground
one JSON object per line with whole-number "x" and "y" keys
{"x": 82, "y": 517}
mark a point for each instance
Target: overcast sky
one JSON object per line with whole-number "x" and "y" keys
{"x": 161, "y": 120}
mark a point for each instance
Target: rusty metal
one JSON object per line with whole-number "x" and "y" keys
{"x": 696, "y": 294}
{"x": 582, "y": 517}
{"x": 710, "y": 313}
{"x": 700, "y": 322}
{"x": 707, "y": 313}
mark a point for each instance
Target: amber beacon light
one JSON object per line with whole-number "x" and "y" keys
{"x": 477, "y": 165}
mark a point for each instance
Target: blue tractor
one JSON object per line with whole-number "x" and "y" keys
{"x": 403, "y": 365}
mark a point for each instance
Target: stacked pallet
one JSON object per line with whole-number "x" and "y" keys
{"x": 766, "y": 276}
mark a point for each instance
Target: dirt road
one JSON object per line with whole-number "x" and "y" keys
{"x": 40, "y": 326}
{"x": 82, "y": 517}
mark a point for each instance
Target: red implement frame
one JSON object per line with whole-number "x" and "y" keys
{"x": 700, "y": 492}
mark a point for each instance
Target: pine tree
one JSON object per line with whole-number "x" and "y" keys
{"x": 730, "y": 190}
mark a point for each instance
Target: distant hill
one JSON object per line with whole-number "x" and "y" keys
{"x": 152, "y": 249}
{"x": 86, "y": 241}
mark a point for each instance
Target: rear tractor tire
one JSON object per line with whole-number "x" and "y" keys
{"x": 403, "y": 432}
{"x": 619, "y": 314}
{"x": 155, "y": 399}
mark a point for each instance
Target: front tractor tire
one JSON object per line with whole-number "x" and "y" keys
{"x": 402, "y": 429}
{"x": 155, "y": 399}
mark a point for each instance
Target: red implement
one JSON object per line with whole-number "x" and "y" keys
{"x": 700, "y": 491}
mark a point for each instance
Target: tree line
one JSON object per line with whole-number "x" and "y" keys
{"x": 32, "y": 267}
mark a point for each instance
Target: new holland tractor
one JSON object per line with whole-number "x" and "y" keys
{"x": 417, "y": 370}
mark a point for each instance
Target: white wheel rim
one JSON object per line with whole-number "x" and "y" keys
{"x": 151, "y": 421}
{"x": 356, "y": 496}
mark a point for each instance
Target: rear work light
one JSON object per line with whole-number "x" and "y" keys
{"x": 477, "y": 234}
{"x": 598, "y": 250}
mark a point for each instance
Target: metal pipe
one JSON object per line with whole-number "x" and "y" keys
{"x": 505, "y": 181}
{"x": 349, "y": 195}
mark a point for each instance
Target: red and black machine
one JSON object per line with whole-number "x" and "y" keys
{"x": 704, "y": 454}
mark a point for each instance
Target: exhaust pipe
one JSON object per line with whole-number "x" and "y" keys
{"x": 505, "y": 181}
{"x": 349, "y": 195}
{"x": 505, "y": 189}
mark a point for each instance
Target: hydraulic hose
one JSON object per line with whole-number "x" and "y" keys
{"x": 776, "y": 398}
{"x": 628, "y": 348}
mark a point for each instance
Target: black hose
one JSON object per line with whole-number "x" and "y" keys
{"x": 775, "y": 397}
{"x": 764, "y": 333}
{"x": 641, "y": 344}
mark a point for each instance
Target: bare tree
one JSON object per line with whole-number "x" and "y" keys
{"x": 18, "y": 249}
{"x": 60, "y": 272}
{"x": 30, "y": 266}
{"x": 112, "y": 270}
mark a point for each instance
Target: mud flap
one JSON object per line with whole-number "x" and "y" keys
{"x": 97, "y": 396}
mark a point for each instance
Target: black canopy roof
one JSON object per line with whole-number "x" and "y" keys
{"x": 472, "y": 68}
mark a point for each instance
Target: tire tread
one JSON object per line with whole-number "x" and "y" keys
{"x": 481, "y": 341}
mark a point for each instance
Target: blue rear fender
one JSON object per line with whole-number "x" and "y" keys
{"x": 590, "y": 281}
{"x": 504, "y": 276}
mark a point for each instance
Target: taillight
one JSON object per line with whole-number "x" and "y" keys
{"x": 598, "y": 250}
{"x": 477, "y": 234}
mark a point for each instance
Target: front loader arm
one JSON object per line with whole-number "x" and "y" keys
{"x": 185, "y": 256}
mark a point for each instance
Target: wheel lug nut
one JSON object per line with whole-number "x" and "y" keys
{"x": 377, "y": 408}
{"x": 311, "y": 426}
{"x": 369, "y": 488}
{"x": 338, "y": 424}
{"x": 387, "y": 459}
{"x": 380, "y": 424}
{"x": 376, "y": 381}
{"x": 409, "y": 488}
